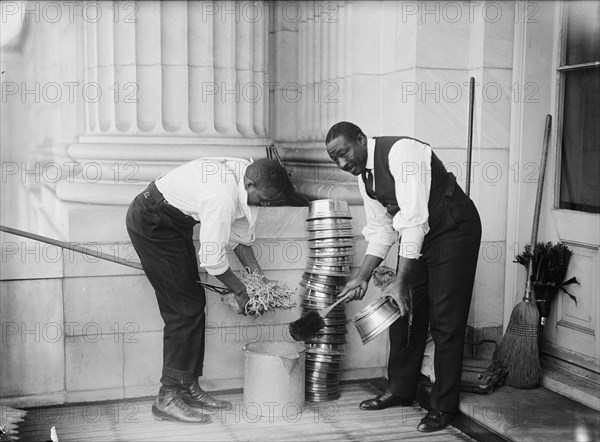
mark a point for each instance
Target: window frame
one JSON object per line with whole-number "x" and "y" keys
{"x": 560, "y": 71}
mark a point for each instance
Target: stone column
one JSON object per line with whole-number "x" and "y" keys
{"x": 312, "y": 77}
{"x": 167, "y": 82}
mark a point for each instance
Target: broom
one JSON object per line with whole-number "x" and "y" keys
{"x": 518, "y": 350}
{"x": 96, "y": 254}
{"x": 310, "y": 323}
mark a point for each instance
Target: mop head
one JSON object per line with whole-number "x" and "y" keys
{"x": 518, "y": 350}
{"x": 306, "y": 326}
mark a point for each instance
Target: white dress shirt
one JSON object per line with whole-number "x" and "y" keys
{"x": 410, "y": 165}
{"x": 211, "y": 190}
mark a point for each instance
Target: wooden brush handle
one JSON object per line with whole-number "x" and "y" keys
{"x": 328, "y": 310}
{"x": 540, "y": 188}
{"x": 538, "y": 205}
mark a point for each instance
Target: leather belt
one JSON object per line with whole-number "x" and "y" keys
{"x": 153, "y": 194}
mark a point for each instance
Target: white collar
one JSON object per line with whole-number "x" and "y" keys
{"x": 370, "y": 153}
{"x": 243, "y": 196}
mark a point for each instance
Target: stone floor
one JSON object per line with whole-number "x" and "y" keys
{"x": 510, "y": 414}
{"x": 531, "y": 415}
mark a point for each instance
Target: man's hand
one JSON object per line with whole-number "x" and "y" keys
{"x": 241, "y": 297}
{"x": 237, "y": 287}
{"x": 401, "y": 293}
{"x": 270, "y": 281}
{"x": 358, "y": 286}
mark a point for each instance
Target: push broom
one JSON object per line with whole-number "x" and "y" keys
{"x": 518, "y": 350}
{"x": 95, "y": 253}
{"x": 302, "y": 328}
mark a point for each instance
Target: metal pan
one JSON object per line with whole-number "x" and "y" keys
{"x": 330, "y": 242}
{"x": 375, "y": 318}
{"x": 326, "y": 349}
{"x": 328, "y": 208}
{"x": 330, "y": 367}
{"x": 330, "y": 252}
{"x": 339, "y": 315}
{"x": 328, "y": 224}
{"x": 324, "y": 279}
{"x": 327, "y": 270}
{"x": 339, "y": 330}
{"x": 322, "y": 377}
{"x": 324, "y": 358}
{"x": 330, "y": 234}
{"x": 338, "y": 260}
{"x": 325, "y": 300}
{"x": 322, "y": 387}
{"x": 323, "y": 288}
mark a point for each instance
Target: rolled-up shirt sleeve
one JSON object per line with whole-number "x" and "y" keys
{"x": 242, "y": 232}
{"x": 378, "y": 231}
{"x": 215, "y": 227}
{"x": 410, "y": 165}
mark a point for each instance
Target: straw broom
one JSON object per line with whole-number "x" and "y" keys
{"x": 518, "y": 350}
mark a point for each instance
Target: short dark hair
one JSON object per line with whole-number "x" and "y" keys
{"x": 349, "y": 130}
{"x": 268, "y": 173}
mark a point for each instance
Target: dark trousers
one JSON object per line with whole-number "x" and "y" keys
{"x": 441, "y": 284}
{"x": 162, "y": 238}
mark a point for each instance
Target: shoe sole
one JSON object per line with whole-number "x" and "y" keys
{"x": 383, "y": 408}
{"x": 433, "y": 430}
{"x": 205, "y": 407}
{"x": 162, "y": 416}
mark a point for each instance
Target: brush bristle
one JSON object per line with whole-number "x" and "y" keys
{"x": 518, "y": 350}
{"x": 306, "y": 326}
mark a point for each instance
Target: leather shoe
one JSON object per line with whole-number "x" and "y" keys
{"x": 384, "y": 401}
{"x": 170, "y": 406}
{"x": 195, "y": 397}
{"x": 435, "y": 420}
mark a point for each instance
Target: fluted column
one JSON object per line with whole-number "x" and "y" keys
{"x": 168, "y": 82}
{"x": 324, "y": 68}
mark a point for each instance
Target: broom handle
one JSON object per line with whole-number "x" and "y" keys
{"x": 470, "y": 134}
{"x": 328, "y": 310}
{"x": 538, "y": 205}
{"x": 86, "y": 251}
{"x": 71, "y": 246}
{"x": 540, "y": 188}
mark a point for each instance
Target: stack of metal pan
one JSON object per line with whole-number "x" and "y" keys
{"x": 327, "y": 270}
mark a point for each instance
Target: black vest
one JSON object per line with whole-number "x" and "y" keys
{"x": 442, "y": 181}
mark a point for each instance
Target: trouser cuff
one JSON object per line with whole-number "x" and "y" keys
{"x": 173, "y": 374}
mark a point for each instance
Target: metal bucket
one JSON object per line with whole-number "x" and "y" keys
{"x": 274, "y": 378}
{"x": 375, "y": 318}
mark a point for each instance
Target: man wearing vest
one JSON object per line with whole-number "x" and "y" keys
{"x": 408, "y": 194}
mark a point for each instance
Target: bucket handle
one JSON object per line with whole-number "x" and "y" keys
{"x": 289, "y": 361}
